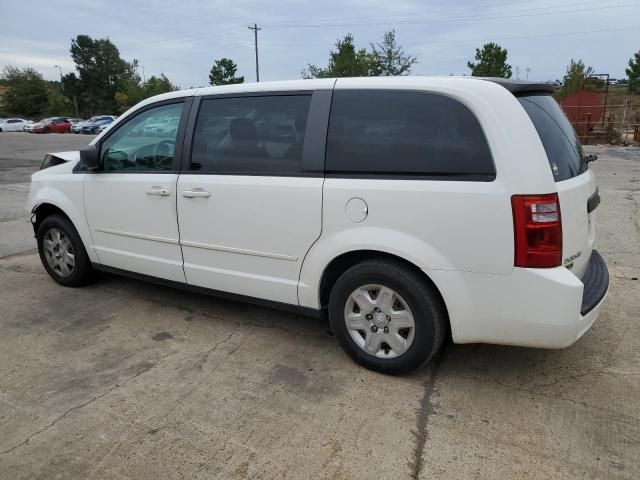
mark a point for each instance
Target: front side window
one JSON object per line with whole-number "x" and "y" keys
{"x": 385, "y": 132}
{"x": 144, "y": 143}
{"x": 250, "y": 135}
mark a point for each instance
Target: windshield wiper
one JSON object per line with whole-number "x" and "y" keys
{"x": 589, "y": 158}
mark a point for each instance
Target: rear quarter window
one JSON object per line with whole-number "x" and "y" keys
{"x": 559, "y": 139}
{"x": 405, "y": 133}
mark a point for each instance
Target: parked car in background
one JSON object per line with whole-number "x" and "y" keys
{"x": 37, "y": 127}
{"x": 13, "y": 124}
{"x": 94, "y": 127}
{"x": 104, "y": 126}
{"x": 160, "y": 128}
{"x": 51, "y": 125}
{"x": 402, "y": 208}
{"x": 77, "y": 127}
{"x": 74, "y": 121}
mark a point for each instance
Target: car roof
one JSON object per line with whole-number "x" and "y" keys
{"x": 513, "y": 86}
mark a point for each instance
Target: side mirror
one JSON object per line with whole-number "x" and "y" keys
{"x": 89, "y": 157}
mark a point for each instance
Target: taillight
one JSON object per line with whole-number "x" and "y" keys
{"x": 537, "y": 229}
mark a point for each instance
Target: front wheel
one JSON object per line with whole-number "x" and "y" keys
{"x": 387, "y": 317}
{"x": 62, "y": 253}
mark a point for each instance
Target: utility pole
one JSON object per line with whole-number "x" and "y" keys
{"x": 528, "y": 69}
{"x": 255, "y": 29}
{"x": 59, "y": 68}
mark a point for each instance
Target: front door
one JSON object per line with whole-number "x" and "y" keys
{"x": 249, "y": 205}
{"x": 131, "y": 201}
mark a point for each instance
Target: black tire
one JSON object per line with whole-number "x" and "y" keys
{"x": 425, "y": 304}
{"x": 82, "y": 272}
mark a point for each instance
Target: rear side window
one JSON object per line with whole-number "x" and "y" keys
{"x": 558, "y": 137}
{"x": 387, "y": 133}
{"x": 262, "y": 135}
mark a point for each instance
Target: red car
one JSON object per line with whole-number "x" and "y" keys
{"x": 52, "y": 125}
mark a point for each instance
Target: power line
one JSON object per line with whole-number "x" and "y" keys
{"x": 474, "y": 40}
{"x": 458, "y": 19}
{"x": 496, "y": 16}
{"x": 255, "y": 29}
{"x": 320, "y": 22}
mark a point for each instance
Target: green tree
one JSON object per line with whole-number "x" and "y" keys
{"x": 223, "y": 72}
{"x": 346, "y": 61}
{"x": 27, "y": 92}
{"x": 72, "y": 89}
{"x": 633, "y": 72}
{"x": 57, "y": 103}
{"x": 136, "y": 92}
{"x": 389, "y": 58}
{"x": 574, "y": 78}
{"x": 102, "y": 73}
{"x": 157, "y": 85}
{"x": 491, "y": 61}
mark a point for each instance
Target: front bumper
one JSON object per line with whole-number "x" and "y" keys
{"x": 544, "y": 308}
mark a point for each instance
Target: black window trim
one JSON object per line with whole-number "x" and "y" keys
{"x": 178, "y": 151}
{"x": 313, "y": 154}
{"x": 458, "y": 177}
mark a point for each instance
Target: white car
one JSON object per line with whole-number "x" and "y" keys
{"x": 14, "y": 124}
{"x": 401, "y": 208}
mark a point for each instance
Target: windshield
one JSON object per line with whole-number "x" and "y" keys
{"x": 558, "y": 137}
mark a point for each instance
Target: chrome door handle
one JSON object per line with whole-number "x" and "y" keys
{"x": 160, "y": 191}
{"x": 196, "y": 192}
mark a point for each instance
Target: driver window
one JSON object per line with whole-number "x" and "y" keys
{"x": 145, "y": 143}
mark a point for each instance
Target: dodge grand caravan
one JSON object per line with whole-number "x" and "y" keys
{"x": 401, "y": 208}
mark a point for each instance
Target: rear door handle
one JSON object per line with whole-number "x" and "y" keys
{"x": 196, "y": 192}
{"x": 160, "y": 191}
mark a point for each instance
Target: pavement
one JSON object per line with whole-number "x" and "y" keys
{"x": 125, "y": 379}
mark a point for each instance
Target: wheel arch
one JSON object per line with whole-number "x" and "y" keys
{"x": 341, "y": 263}
{"x": 44, "y": 206}
{"x": 44, "y": 210}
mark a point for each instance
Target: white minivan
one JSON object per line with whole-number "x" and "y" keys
{"x": 401, "y": 208}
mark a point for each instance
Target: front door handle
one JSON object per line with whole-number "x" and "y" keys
{"x": 160, "y": 191}
{"x": 196, "y": 192}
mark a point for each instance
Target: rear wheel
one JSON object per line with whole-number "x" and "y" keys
{"x": 387, "y": 317}
{"x": 62, "y": 253}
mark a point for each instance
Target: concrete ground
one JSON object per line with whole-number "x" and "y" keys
{"x": 124, "y": 379}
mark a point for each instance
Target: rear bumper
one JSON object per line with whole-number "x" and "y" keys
{"x": 545, "y": 308}
{"x": 596, "y": 283}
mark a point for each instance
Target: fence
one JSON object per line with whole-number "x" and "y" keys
{"x": 615, "y": 119}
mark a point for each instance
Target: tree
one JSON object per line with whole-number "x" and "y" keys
{"x": 72, "y": 89}
{"x": 633, "y": 72}
{"x": 136, "y": 92}
{"x": 57, "y": 103}
{"x": 157, "y": 85}
{"x": 223, "y": 72}
{"x": 574, "y": 78}
{"x": 390, "y": 58}
{"x": 491, "y": 62}
{"x": 346, "y": 61}
{"x": 27, "y": 92}
{"x": 102, "y": 73}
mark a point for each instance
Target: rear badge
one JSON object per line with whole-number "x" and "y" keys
{"x": 556, "y": 170}
{"x": 568, "y": 262}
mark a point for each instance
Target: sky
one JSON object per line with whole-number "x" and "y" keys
{"x": 182, "y": 38}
